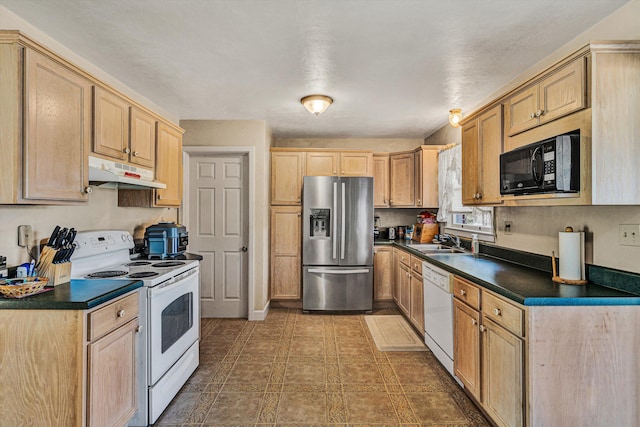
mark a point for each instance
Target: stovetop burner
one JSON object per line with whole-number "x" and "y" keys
{"x": 143, "y": 274}
{"x": 137, "y": 263}
{"x": 106, "y": 274}
{"x": 168, "y": 264}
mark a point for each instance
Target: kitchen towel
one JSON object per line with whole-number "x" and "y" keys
{"x": 571, "y": 245}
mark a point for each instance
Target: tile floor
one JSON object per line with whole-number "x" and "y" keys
{"x": 299, "y": 369}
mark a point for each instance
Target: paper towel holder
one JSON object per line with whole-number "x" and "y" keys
{"x": 559, "y": 279}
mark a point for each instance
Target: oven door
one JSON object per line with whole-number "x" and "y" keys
{"x": 174, "y": 321}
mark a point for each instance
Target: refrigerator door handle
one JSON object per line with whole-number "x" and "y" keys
{"x": 335, "y": 219}
{"x": 329, "y": 271}
{"x": 343, "y": 228}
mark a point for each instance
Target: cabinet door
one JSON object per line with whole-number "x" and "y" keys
{"x": 470, "y": 166}
{"x": 401, "y": 180}
{"x": 322, "y": 164}
{"x": 521, "y": 110}
{"x": 143, "y": 139}
{"x": 356, "y": 164}
{"x": 57, "y": 135}
{"x": 111, "y": 377}
{"x": 427, "y": 177}
{"x": 502, "y": 373}
{"x": 396, "y": 275}
{"x": 381, "y": 180}
{"x": 287, "y": 171}
{"x": 417, "y": 302}
{"x": 110, "y": 124}
{"x": 466, "y": 346}
{"x": 383, "y": 273}
{"x": 169, "y": 166}
{"x": 489, "y": 150}
{"x": 563, "y": 92}
{"x": 286, "y": 252}
{"x": 404, "y": 289}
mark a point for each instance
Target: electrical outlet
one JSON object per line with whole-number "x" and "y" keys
{"x": 25, "y": 234}
{"x": 508, "y": 227}
{"x": 629, "y": 234}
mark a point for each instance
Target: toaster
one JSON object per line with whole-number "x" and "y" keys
{"x": 165, "y": 240}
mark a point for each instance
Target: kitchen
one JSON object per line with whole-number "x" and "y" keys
{"x": 529, "y": 234}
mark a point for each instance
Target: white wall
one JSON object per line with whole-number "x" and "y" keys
{"x": 101, "y": 212}
{"x": 244, "y": 133}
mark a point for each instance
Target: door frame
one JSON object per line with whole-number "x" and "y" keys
{"x": 191, "y": 150}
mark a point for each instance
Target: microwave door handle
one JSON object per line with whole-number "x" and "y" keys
{"x": 534, "y": 164}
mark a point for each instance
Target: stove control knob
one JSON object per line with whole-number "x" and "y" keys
{"x": 124, "y": 237}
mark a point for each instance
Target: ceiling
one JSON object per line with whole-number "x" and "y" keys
{"x": 393, "y": 67}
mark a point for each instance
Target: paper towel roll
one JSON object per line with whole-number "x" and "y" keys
{"x": 571, "y": 255}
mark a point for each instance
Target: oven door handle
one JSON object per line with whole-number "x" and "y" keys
{"x": 170, "y": 283}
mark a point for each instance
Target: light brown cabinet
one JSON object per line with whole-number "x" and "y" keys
{"x": 416, "y": 315}
{"x": 381, "y": 180}
{"x": 110, "y": 125}
{"x": 90, "y": 357}
{"x": 560, "y": 93}
{"x": 481, "y": 149}
{"x": 401, "y": 179}
{"x": 286, "y": 252}
{"x": 383, "y": 273}
{"x": 489, "y": 351}
{"x": 169, "y": 166}
{"x": 339, "y": 164}
{"x": 426, "y": 176}
{"x": 142, "y": 139}
{"x": 409, "y": 288}
{"x": 287, "y": 172}
{"x": 52, "y": 104}
{"x": 404, "y": 289}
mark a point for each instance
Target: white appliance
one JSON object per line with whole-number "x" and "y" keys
{"x": 168, "y": 344}
{"x": 438, "y": 314}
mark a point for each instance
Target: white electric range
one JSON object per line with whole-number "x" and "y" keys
{"x": 168, "y": 343}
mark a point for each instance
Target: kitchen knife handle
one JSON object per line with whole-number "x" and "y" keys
{"x": 343, "y": 225}
{"x": 54, "y": 235}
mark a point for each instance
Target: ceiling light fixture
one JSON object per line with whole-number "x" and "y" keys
{"x": 316, "y": 104}
{"x": 455, "y": 117}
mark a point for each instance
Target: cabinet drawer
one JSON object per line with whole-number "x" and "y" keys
{"x": 112, "y": 316}
{"x": 467, "y": 292}
{"x": 416, "y": 265}
{"x": 503, "y": 313}
{"x": 404, "y": 258}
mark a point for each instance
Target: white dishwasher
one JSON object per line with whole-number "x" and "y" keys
{"x": 438, "y": 313}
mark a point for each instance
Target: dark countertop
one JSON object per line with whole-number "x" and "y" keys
{"x": 79, "y": 294}
{"x": 522, "y": 284}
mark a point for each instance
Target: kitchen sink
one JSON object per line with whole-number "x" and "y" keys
{"x": 435, "y": 248}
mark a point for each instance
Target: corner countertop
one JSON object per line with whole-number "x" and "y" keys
{"x": 519, "y": 283}
{"x": 79, "y": 294}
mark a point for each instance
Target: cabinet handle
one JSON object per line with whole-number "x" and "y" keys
{"x": 135, "y": 154}
{"x": 127, "y": 150}
{"x": 158, "y": 196}
{"x": 299, "y": 200}
{"x": 482, "y": 328}
{"x": 299, "y": 214}
{"x": 497, "y": 312}
{"x": 120, "y": 313}
{"x": 419, "y": 202}
{"x": 532, "y": 115}
{"x": 335, "y": 173}
{"x": 139, "y": 329}
{"x": 88, "y": 189}
{"x": 474, "y": 322}
{"x": 539, "y": 113}
{"x": 463, "y": 292}
{"x": 342, "y": 172}
{"x": 390, "y": 201}
{"x": 479, "y": 195}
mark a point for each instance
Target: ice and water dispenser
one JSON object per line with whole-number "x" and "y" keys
{"x": 320, "y": 223}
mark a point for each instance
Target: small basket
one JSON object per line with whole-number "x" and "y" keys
{"x": 34, "y": 285}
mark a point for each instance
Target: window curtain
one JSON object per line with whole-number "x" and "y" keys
{"x": 449, "y": 179}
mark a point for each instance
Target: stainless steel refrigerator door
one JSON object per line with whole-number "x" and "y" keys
{"x": 356, "y": 221}
{"x": 320, "y": 216}
{"x": 337, "y": 288}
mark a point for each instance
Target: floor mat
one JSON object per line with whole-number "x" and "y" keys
{"x": 393, "y": 333}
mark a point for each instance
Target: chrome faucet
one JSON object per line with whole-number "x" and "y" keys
{"x": 453, "y": 239}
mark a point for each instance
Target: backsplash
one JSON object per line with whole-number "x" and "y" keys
{"x": 101, "y": 212}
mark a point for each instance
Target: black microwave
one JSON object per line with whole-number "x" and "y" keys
{"x": 549, "y": 166}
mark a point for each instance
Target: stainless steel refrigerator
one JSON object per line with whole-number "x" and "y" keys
{"x": 337, "y": 243}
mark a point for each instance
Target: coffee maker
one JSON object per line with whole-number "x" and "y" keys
{"x": 376, "y": 227}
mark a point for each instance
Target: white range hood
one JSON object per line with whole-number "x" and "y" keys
{"x": 109, "y": 174}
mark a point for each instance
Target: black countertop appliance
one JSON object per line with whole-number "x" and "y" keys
{"x": 165, "y": 240}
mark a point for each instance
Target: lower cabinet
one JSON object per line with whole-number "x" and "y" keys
{"x": 383, "y": 273}
{"x": 408, "y": 288}
{"x": 286, "y": 252}
{"x": 404, "y": 289}
{"x": 69, "y": 367}
{"x": 417, "y": 302}
{"x": 489, "y": 352}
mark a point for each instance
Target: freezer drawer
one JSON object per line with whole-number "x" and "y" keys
{"x": 337, "y": 288}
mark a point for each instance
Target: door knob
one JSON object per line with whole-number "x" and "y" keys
{"x": 244, "y": 249}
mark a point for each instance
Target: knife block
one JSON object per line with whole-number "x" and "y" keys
{"x": 58, "y": 273}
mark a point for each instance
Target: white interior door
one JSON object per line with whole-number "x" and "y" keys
{"x": 218, "y": 230}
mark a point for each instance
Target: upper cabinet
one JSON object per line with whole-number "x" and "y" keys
{"x": 287, "y": 171}
{"x": 481, "y": 149}
{"x": 339, "y": 164}
{"x": 169, "y": 166}
{"x": 426, "y": 176}
{"x": 381, "y": 180}
{"x": 560, "y": 93}
{"x": 401, "y": 179}
{"x": 47, "y": 163}
{"x": 142, "y": 138}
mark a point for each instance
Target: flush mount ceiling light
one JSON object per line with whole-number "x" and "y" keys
{"x": 455, "y": 116}
{"x": 316, "y": 104}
